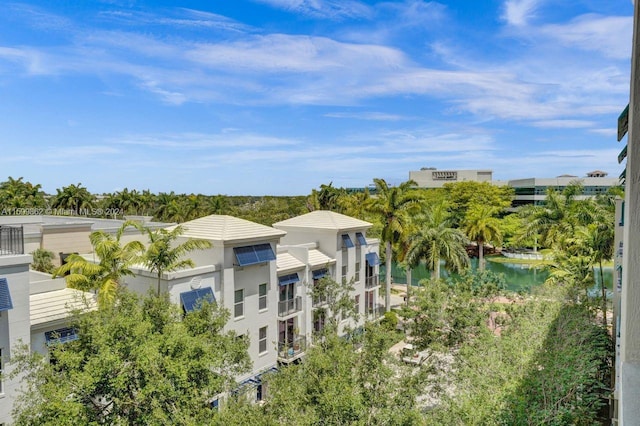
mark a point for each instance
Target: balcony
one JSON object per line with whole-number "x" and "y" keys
{"x": 319, "y": 301}
{"x": 11, "y": 240}
{"x": 289, "y": 306}
{"x": 376, "y": 311}
{"x": 290, "y": 351}
{"x": 371, "y": 282}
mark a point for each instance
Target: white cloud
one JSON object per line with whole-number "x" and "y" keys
{"x": 563, "y": 124}
{"x": 518, "y": 12}
{"x": 324, "y": 9}
{"x": 607, "y": 35}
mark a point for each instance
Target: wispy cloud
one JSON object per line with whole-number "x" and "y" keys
{"x": 594, "y": 33}
{"x": 563, "y": 124}
{"x": 519, "y": 12}
{"x": 370, "y": 116}
{"x": 325, "y": 9}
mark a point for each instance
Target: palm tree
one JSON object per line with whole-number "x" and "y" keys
{"x": 163, "y": 255}
{"x": 437, "y": 241}
{"x": 557, "y": 219}
{"x": 482, "y": 226}
{"x": 391, "y": 205}
{"x": 74, "y": 198}
{"x": 113, "y": 263}
{"x": 18, "y": 194}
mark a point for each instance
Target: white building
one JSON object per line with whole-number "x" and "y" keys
{"x": 266, "y": 286}
{"x": 33, "y": 310}
{"x": 430, "y": 177}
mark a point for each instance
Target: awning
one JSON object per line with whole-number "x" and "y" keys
{"x": 318, "y": 273}
{"x": 5, "y": 296}
{"x": 192, "y": 299}
{"x": 250, "y": 255}
{"x": 346, "y": 241}
{"x": 288, "y": 279}
{"x": 360, "y": 238}
{"x": 372, "y": 259}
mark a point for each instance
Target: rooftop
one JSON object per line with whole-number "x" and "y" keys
{"x": 58, "y": 304}
{"x": 228, "y": 228}
{"x": 323, "y": 219}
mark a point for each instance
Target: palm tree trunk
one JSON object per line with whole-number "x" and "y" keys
{"x": 387, "y": 297}
{"x": 159, "y": 277}
{"x": 408, "y": 292}
{"x": 436, "y": 271}
{"x": 604, "y": 296}
{"x": 480, "y": 255}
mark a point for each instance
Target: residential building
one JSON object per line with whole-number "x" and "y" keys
{"x": 627, "y": 364}
{"x": 33, "y": 310}
{"x": 266, "y": 286}
{"x": 355, "y": 259}
{"x": 69, "y": 234}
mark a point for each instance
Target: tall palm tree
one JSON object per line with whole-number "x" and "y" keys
{"x": 113, "y": 263}
{"x": 437, "y": 241}
{"x": 482, "y": 226}
{"x": 391, "y": 205}
{"x": 164, "y": 255}
{"x": 74, "y": 198}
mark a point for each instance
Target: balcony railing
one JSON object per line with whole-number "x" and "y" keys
{"x": 289, "y": 306}
{"x": 375, "y": 311}
{"x": 290, "y": 351}
{"x": 319, "y": 301}
{"x": 11, "y": 240}
{"x": 371, "y": 282}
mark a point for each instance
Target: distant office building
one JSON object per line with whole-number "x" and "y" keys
{"x": 430, "y": 177}
{"x": 527, "y": 191}
{"x": 534, "y": 190}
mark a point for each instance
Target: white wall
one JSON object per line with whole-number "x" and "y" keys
{"x": 14, "y": 323}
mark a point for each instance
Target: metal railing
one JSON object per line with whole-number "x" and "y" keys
{"x": 375, "y": 311}
{"x": 289, "y": 306}
{"x": 288, "y": 351}
{"x": 11, "y": 240}
{"x": 371, "y": 282}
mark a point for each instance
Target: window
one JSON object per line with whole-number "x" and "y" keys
{"x": 346, "y": 241}
{"x": 61, "y": 335}
{"x": 238, "y": 303}
{"x": 262, "y": 340}
{"x": 356, "y": 305}
{"x": 262, "y": 296}
{"x": 357, "y": 271}
{"x": 344, "y": 272}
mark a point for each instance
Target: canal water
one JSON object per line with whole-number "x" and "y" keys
{"x": 519, "y": 277}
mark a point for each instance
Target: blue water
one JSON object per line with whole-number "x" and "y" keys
{"x": 519, "y": 277}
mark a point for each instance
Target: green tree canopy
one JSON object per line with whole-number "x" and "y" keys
{"x": 137, "y": 362}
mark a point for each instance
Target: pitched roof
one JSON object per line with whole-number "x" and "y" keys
{"x": 56, "y": 305}
{"x": 228, "y": 228}
{"x": 323, "y": 219}
{"x": 287, "y": 262}
{"x": 317, "y": 258}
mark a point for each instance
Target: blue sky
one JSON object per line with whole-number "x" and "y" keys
{"x": 279, "y": 96}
